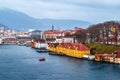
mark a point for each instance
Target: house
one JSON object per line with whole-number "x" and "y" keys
{"x": 39, "y": 43}
{"x": 10, "y": 40}
{"x": 52, "y": 33}
{"x": 57, "y": 36}
{"x": 36, "y": 34}
{"x": 103, "y": 57}
{"x": 53, "y": 36}
{"x": 70, "y": 49}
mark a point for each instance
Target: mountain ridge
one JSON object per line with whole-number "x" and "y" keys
{"x": 20, "y": 21}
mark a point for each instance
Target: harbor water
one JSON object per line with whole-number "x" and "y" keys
{"x": 22, "y": 63}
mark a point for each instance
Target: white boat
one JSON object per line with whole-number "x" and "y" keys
{"x": 41, "y": 45}
{"x": 89, "y": 57}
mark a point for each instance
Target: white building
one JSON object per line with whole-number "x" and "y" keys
{"x": 1, "y": 41}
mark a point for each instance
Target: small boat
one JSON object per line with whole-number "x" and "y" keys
{"x": 42, "y": 59}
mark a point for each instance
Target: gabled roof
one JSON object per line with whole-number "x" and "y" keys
{"x": 79, "y": 46}
{"x": 9, "y": 38}
{"x": 118, "y": 53}
{"x": 52, "y": 32}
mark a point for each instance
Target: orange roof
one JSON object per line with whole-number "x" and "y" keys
{"x": 103, "y": 55}
{"x": 9, "y": 38}
{"x": 79, "y": 46}
{"x": 72, "y": 31}
{"x": 82, "y": 47}
{"x": 118, "y": 53}
{"x": 53, "y": 32}
{"x": 60, "y": 32}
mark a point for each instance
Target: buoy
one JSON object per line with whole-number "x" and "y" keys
{"x": 42, "y": 59}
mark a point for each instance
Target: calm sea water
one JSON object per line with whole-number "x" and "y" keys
{"x": 22, "y": 63}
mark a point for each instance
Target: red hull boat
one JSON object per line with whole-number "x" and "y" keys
{"x": 42, "y": 59}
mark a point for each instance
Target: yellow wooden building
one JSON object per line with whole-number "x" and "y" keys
{"x": 70, "y": 49}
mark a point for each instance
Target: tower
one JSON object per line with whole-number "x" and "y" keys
{"x": 52, "y": 27}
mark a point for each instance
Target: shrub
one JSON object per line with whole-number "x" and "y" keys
{"x": 103, "y": 48}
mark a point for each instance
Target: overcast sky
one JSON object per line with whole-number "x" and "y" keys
{"x": 88, "y": 10}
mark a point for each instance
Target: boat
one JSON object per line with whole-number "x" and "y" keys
{"x": 42, "y": 59}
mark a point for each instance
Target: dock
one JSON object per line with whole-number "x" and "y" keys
{"x": 54, "y": 53}
{"x": 42, "y": 51}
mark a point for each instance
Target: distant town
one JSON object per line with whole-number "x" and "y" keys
{"x": 107, "y": 33}
{"x": 98, "y": 42}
